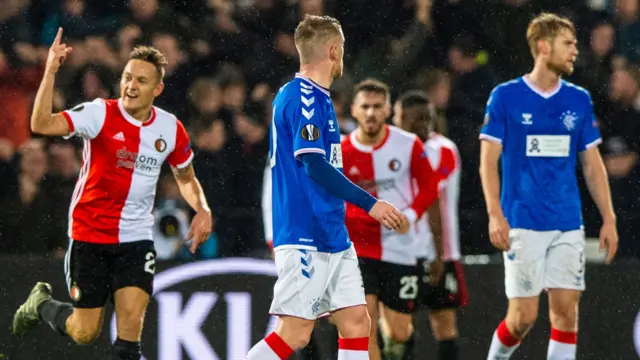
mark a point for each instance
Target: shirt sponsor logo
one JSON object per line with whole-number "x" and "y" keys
{"x": 131, "y": 160}
{"x": 336, "y": 156}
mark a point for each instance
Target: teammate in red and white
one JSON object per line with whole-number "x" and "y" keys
{"x": 413, "y": 113}
{"x": 391, "y": 164}
{"x": 111, "y": 253}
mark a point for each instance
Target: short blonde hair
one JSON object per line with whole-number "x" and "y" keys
{"x": 312, "y": 33}
{"x": 546, "y": 26}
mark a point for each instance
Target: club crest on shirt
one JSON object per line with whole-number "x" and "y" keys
{"x": 569, "y": 119}
{"x": 395, "y": 165}
{"x": 160, "y": 145}
{"x": 75, "y": 293}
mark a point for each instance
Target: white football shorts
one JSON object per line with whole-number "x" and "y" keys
{"x": 540, "y": 260}
{"x": 313, "y": 284}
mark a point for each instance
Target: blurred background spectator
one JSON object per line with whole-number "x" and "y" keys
{"x": 226, "y": 59}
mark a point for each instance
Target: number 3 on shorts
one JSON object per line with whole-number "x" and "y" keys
{"x": 409, "y": 287}
{"x": 150, "y": 265}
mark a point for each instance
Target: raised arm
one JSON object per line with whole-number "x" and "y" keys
{"x": 42, "y": 120}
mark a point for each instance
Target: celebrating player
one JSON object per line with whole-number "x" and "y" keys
{"x": 111, "y": 253}
{"x": 539, "y": 124}
{"x": 387, "y": 162}
{"x": 316, "y": 262}
{"x": 413, "y": 112}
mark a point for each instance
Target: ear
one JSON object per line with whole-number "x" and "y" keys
{"x": 544, "y": 47}
{"x": 387, "y": 110}
{"x": 333, "y": 52}
{"x": 158, "y": 90}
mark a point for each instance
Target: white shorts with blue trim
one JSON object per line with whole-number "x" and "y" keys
{"x": 540, "y": 260}
{"x": 313, "y": 284}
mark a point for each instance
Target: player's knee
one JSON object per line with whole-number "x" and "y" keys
{"x": 401, "y": 332}
{"x": 85, "y": 335}
{"x": 130, "y": 326}
{"x": 358, "y": 326}
{"x": 295, "y": 339}
{"x": 444, "y": 331}
{"x": 564, "y": 317}
{"x": 521, "y": 321}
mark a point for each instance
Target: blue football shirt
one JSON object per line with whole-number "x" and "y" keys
{"x": 541, "y": 136}
{"x": 305, "y": 215}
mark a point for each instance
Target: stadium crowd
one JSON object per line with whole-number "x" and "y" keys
{"x": 226, "y": 59}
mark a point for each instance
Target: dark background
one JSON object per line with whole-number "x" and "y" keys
{"x": 607, "y": 314}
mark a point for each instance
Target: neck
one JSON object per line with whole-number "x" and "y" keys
{"x": 371, "y": 140}
{"x": 543, "y": 77}
{"x": 143, "y": 115}
{"x": 319, "y": 73}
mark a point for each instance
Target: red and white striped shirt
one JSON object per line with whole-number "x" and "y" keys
{"x": 445, "y": 159}
{"x": 397, "y": 171}
{"x": 114, "y": 195}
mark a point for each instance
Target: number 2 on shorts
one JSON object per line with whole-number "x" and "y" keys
{"x": 150, "y": 265}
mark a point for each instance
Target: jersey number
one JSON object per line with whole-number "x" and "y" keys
{"x": 150, "y": 265}
{"x": 409, "y": 289}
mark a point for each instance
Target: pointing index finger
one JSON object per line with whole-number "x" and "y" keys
{"x": 56, "y": 41}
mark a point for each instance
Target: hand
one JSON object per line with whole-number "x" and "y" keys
{"x": 609, "y": 240}
{"x": 499, "y": 232}
{"x": 388, "y": 215}
{"x": 200, "y": 229}
{"x": 404, "y": 228}
{"x": 436, "y": 270}
{"x": 57, "y": 54}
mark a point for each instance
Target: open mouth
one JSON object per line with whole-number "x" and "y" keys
{"x": 131, "y": 96}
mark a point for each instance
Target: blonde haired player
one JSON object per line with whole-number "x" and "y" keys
{"x": 540, "y": 125}
{"x": 317, "y": 266}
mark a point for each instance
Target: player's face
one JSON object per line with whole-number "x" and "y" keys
{"x": 564, "y": 51}
{"x": 139, "y": 85}
{"x": 370, "y": 110}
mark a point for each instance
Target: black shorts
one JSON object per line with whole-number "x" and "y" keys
{"x": 395, "y": 285}
{"x": 451, "y": 291}
{"x": 95, "y": 271}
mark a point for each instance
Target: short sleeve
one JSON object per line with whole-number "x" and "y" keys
{"x": 448, "y": 163}
{"x": 589, "y": 134}
{"x": 86, "y": 119}
{"x": 308, "y": 121}
{"x": 182, "y": 154}
{"x": 493, "y": 128}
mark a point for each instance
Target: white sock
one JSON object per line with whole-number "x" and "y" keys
{"x": 353, "y": 349}
{"x": 562, "y": 345}
{"x": 503, "y": 344}
{"x": 270, "y": 348}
